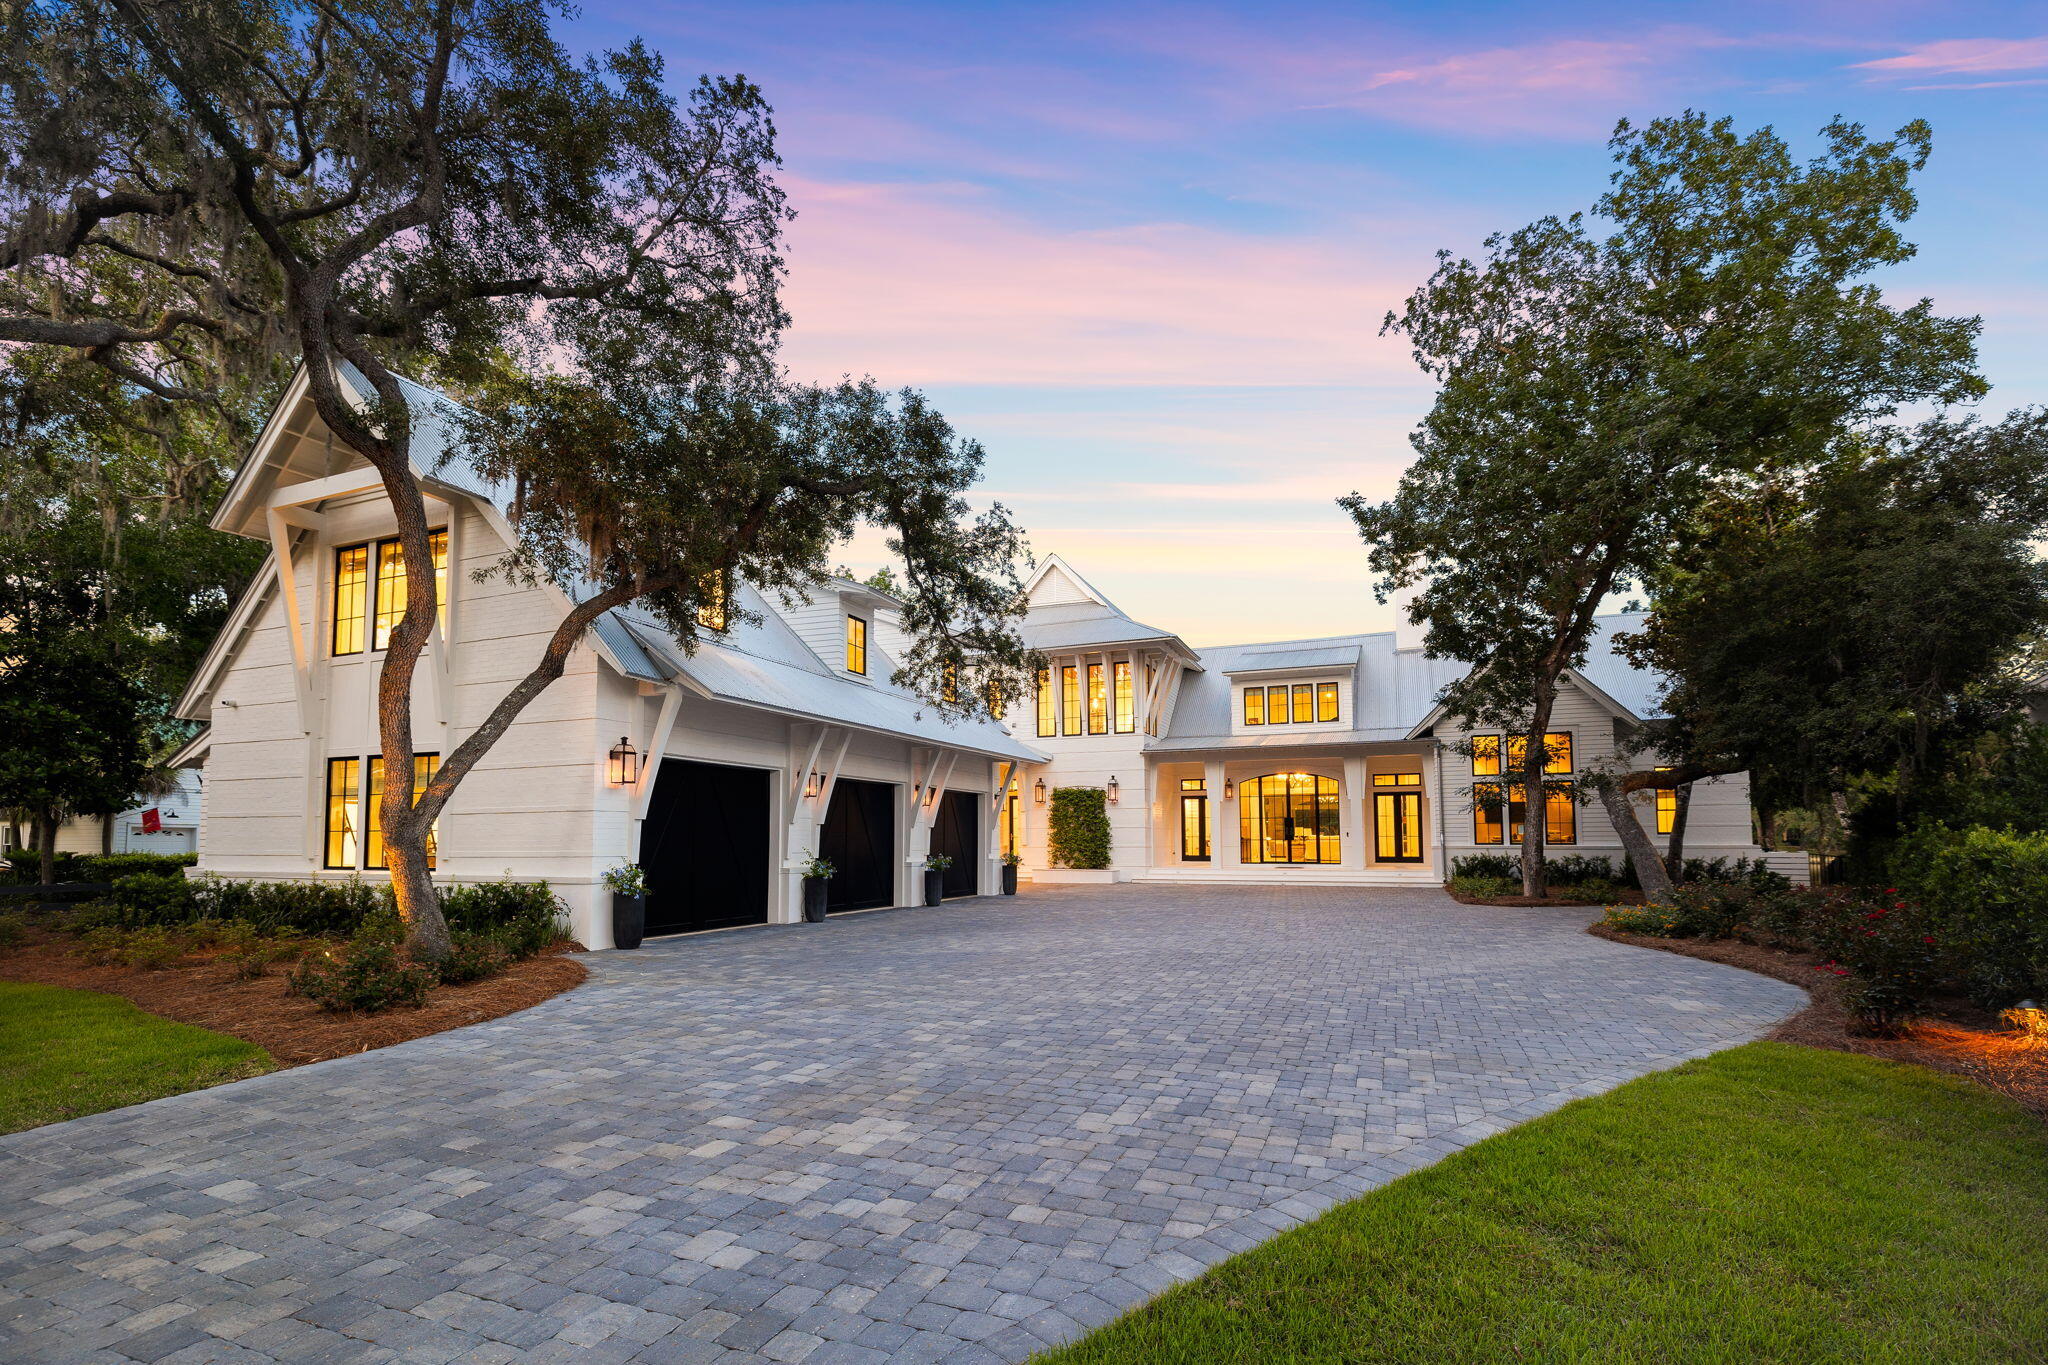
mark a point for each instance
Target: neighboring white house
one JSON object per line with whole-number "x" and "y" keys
{"x": 781, "y": 737}
{"x": 178, "y": 815}
{"x": 1323, "y": 761}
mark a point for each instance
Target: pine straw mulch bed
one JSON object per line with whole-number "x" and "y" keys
{"x": 1953, "y": 1035}
{"x": 291, "y": 1028}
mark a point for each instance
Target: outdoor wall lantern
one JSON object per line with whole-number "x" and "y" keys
{"x": 1038, "y": 792}
{"x": 625, "y": 763}
{"x": 814, "y": 784}
{"x": 1229, "y": 790}
{"x": 1109, "y": 790}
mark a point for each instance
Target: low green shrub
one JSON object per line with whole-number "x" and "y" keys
{"x": 1987, "y": 891}
{"x": 1886, "y": 945}
{"x": 471, "y": 957}
{"x": 13, "y": 929}
{"x": 1484, "y": 888}
{"x": 153, "y": 949}
{"x": 1657, "y": 921}
{"x": 25, "y": 867}
{"x": 108, "y": 867}
{"x": 1572, "y": 870}
{"x": 362, "y": 976}
{"x": 1595, "y": 889}
{"x": 247, "y": 951}
{"x": 1500, "y": 866}
{"x": 101, "y": 946}
{"x": 525, "y": 918}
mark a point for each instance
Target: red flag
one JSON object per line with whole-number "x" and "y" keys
{"x": 152, "y": 823}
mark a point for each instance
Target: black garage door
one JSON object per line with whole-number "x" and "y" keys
{"x": 704, "y": 847}
{"x": 956, "y": 834}
{"x": 859, "y": 840}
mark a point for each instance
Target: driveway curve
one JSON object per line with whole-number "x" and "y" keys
{"x": 940, "y": 1134}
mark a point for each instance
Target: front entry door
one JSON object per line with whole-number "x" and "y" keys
{"x": 1397, "y": 818}
{"x": 956, "y": 830}
{"x": 859, "y": 840}
{"x": 705, "y": 847}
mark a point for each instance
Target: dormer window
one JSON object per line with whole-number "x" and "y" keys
{"x": 857, "y": 645}
{"x": 1302, "y": 703}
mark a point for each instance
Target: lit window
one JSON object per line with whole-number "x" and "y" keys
{"x": 856, "y": 645}
{"x": 1304, "y": 703}
{"x": 390, "y": 599}
{"x": 1070, "y": 699}
{"x": 1667, "y": 805}
{"x": 1486, "y": 756}
{"x": 1560, "y": 816}
{"x": 1486, "y": 824}
{"x": 1126, "y": 703}
{"x": 1518, "y": 750}
{"x": 1397, "y": 779}
{"x": 1012, "y": 825}
{"x": 1518, "y": 809}
{"x": 1194, "y": 784}
{"x": 1047, "y": 709}
{"x": 344, "y": 789}
{"x": 1326, "y": 701}
{"x": 1098, "y": 701}
{"x": 711, "y": 612}
{"x": 424, "y": 766}
{"x": 1255, "y": 706}
{"x": 351, "y": 597}
{"x": 992, "y": 696}
{"x": 1276, "y": 706}
{"x": 1557, "y": 751}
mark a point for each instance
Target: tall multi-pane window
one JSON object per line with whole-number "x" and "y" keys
{"x": 351, "y": 598}
{"x": 1557, "y": 752}
{"x": 1070, "y": 699}
{"x": 1194, "y": 820}
{"x": 1560, "y": 815}
{"x": 1048, "y": 712}
{"x": 1276, "y": 706}
{"x": 1255, "y": 706}
{"x": 1012, "y": 831}
{"x": 1486, "y": 813}
{"x": 1518, "y": 809}
{"x": 1667, "y": 804}
{"x": 391, "y": 586}
{"x": 1486, "y": 755}
{"x": 1304, "y": 703}
{"x": 1098, "y": 701}
{"x": 856, "y": 644}
{"x": 1126, "y": 702}
{"x": 424, "y": 767}
{"x": 1326, "y": 701}
{"x": 344, "y": 792}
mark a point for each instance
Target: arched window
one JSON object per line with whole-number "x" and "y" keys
{"x": 1289, "y": 818}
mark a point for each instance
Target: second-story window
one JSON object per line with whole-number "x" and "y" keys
{"x": 1126, "y": 703}
{"x": 369, "y": 592}
{"x": 1048, "y": 705}
{"x": 1070, "y": 699}
{"x": 1098, "y": 701}
{"x": 1255, "y": 706}
{"x": 856, "y": 645}
{"x": 1292, "y": 703}
{"x": 1326, "y": 701}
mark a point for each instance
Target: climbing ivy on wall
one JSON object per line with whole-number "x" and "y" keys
{"x": 1078, "y": 834}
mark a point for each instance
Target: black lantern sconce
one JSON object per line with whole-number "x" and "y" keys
{"x": 1038, "y": 792}
{"x": 625, "y": 763}
{"x": 814, "y": 784}
{"x": 1110, "y": 789}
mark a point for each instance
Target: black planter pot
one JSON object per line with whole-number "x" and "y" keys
{"x": 814, "y": 900}
{"x": 934, "y": 886}
{"x": 1009, "y": 879}
{"x": 629, "y": 920}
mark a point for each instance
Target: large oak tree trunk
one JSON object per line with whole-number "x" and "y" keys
{"x": 412, "y": 884}
{"x": 46, "y": 847}
{"x": 1635, "y": 839}
{"x": 1681, "y": 804}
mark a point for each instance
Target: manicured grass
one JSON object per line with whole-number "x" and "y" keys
{"x": 1771, "y": 1203}
{"x": 64, "y": 1053}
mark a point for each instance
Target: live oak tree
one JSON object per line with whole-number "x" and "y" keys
{"x": 373, "y": 184}
{"x": 1595, "y": 387}
{"x": 1859, "y": 624}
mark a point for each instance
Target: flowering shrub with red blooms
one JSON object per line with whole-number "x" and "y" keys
{"x": 1888, "y": 947}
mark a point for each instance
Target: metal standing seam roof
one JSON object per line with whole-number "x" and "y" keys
{"x": 1275, "y": 660}
{"x": 758, "y": 662}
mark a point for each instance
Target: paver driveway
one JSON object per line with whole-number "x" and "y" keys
{"x": 956, "y": 1133}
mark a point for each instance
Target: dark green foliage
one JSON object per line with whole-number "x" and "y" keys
{"x": 108, "y": 867}
{"x": 362, "y": 976}
{"x": 1077, "y": 829}
{"x": 1572, "y": 870}
{"x": 1987, "y": 890}
{"x": 523, "y": 918}
{"x": 471, "y": 957}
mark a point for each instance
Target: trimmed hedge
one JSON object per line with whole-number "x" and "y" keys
{"x": 1078, "y": 830}
{"x": 25, "y": 868}
{"x": 1987, "y": 890}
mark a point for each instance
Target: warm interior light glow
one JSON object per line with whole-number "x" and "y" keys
{"x": 814, "y": 784}
{"x": 625, "y": 763}
{"x": 1110, "y": 791}
{"x": 1229, "y": 790}
{"x": 1038, "y": 792}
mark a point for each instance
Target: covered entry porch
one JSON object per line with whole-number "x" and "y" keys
{"x": 1367, "y": 815}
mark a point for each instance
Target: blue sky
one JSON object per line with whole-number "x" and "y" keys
{"x": 1142, "y": 251}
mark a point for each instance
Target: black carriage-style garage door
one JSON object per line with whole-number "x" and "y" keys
{"x": 859, "y": 840}
{"x": 705, "y": 847}
{"x": 956, "y": 832}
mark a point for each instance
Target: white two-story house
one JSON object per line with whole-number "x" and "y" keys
{"x": 1322, "y": 761}
{"x": 721, "y": 773}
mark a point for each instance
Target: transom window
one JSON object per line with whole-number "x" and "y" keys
{"x": 354, "y": 835}
{"x": 856, "y": 645}
{"x": 367, "y": 606}
{"x": 1291, "y": 703}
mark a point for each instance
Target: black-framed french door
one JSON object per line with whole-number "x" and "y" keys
{"x": 1194, "y": 826}
{"x": 1397, "y": 824}
{"x": 1289, "y": 818}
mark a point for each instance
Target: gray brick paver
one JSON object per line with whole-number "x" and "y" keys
{"x": 919, "y": 1135}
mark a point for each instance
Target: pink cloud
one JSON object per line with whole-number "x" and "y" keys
{"x": 1963, "y": 56}
{"x": 934, "y": 284}
{"x": 1548, "y": 85}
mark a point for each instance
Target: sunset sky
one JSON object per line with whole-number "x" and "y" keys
{"x": 1142, "y": 252}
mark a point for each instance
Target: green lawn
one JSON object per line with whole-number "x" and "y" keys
{"x": 1771, "y": 1203}
{"x": 64, "y": 1053}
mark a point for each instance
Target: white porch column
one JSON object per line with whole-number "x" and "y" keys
{"x": 1354, "y": 827}
{"x": 1223, "y": 852}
